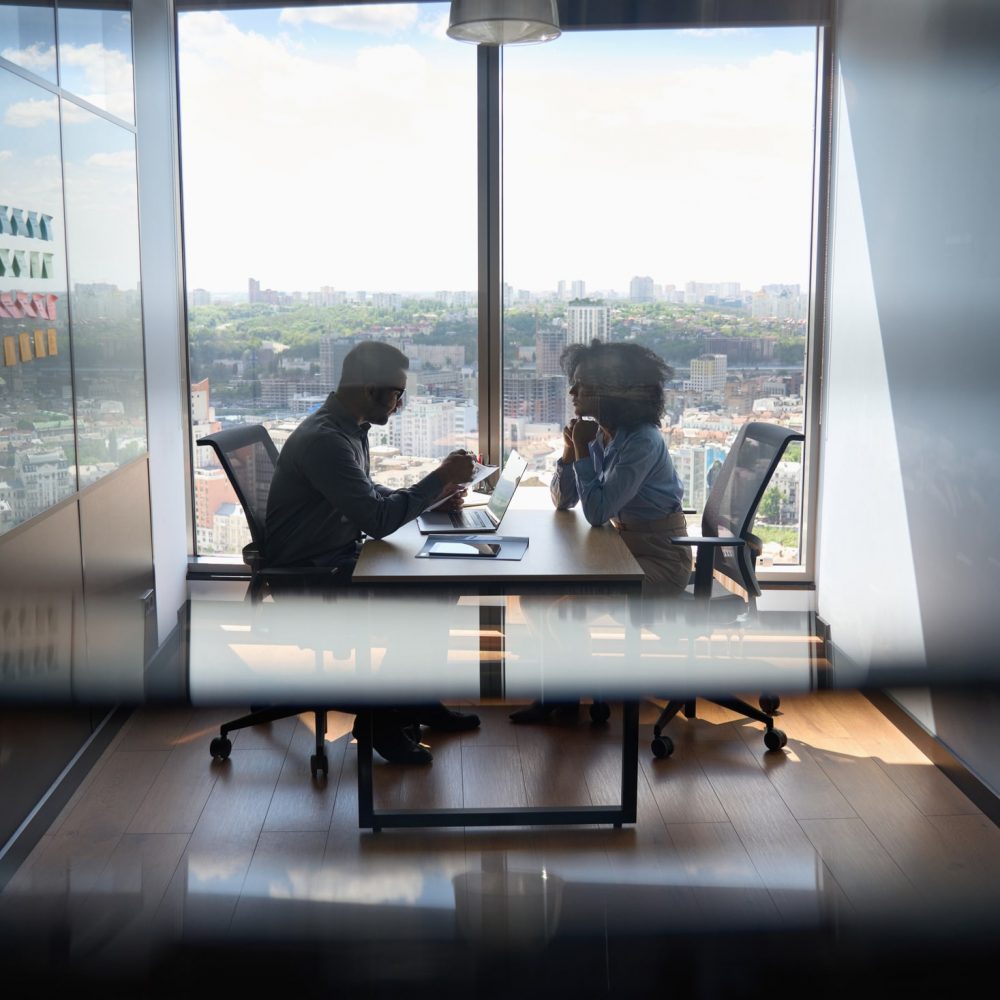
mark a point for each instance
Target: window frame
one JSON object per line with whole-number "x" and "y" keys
{"x": 609, "y": 15}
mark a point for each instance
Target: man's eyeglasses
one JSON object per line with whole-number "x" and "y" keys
{"x": 392, "y": 388}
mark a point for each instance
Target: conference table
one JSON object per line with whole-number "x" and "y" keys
{"x": 557, "y": 624}
{"x": 565, "y": 557}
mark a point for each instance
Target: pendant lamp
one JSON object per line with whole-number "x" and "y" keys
{"x": 503, "y": 22}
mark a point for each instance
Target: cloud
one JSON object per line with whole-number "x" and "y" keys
{"x": 356, "y": 167}
{"x": 382, "y": 19}
{"x": 99, "y": 75}
{"x": 34, "y": 57}
{"x": 35, "y": 111}
{"x": 353, "y": 168}
{"x": 122, "y": 160}
{"x": 6, "y": 154}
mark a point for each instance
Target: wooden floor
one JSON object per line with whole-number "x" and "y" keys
{"x": 850, "y": 823}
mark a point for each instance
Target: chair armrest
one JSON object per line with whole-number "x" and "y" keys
{"x": 688, "y": 510}
{"x": 709, "y": 542}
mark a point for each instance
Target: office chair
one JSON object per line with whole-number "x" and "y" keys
{"x": 728, "y": 548}
{"x": 248, "y": 456}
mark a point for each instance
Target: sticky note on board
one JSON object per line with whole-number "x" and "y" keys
{"x": 25, "y": 343}
{"x": 40, "y": 351}
{"x": 9, "y": 351}
{"x": 53, "y": 342}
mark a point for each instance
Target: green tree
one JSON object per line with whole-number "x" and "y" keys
{"x": 770, "y": 505}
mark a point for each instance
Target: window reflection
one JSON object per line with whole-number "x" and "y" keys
{"x": 36, "y": 422}
{"x": 95, "y": 55}
{"x": 28, "y": 38}
{"x": 103, "y": 240}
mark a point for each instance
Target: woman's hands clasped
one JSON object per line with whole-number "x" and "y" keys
{"x": 577, "y": 435}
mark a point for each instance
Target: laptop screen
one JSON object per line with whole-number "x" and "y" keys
{"x": 510, "y": 476}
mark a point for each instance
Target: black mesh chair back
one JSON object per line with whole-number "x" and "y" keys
{"x": 248, "y": 456}
{"x": 736, "y": 494}
{"x": 729, "y": 513}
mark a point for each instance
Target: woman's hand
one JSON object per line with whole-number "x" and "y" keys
{"x": 569, "y": 452}
{"x": 582, "y": 433}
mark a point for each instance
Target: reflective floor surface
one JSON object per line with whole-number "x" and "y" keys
{"x": 844, "y": 862}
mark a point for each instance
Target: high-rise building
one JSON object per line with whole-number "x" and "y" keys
{"x": 694, "y": 464}
{"x": 708, "y": 373}
{"x": 539, "y": 400}
{"x": 253, "y": 290}
{"x": 549, "y": 345}
{"x": 641, "y": 289}
{"x": 426, "y": 427}
{"x": 578, "y": 289}
{"x": 332, "y": 351}
{"x": 587, "y": 321}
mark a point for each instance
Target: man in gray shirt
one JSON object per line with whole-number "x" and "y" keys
{"x": 322, "y": 502}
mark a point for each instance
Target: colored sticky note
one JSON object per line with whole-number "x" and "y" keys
{"x": 25, "y": 343}
{"x": 40, "y": 344}
{"x": 53, "y": 343}
{"x": 9, "y": 351}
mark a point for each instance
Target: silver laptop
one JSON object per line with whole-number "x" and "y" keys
{"x": 479, "y": 520}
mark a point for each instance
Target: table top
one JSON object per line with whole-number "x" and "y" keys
{"x": 563, "y": 550}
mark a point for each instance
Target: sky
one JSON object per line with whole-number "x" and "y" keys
{"x": 96, "y": 166}
{"x": 337, "y": 147}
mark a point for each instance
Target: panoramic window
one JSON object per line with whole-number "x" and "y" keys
{"x": 657, "y": 188}
{"x": 329, "y": 176}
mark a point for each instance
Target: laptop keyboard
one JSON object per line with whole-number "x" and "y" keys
{"x": 471, "y": 519}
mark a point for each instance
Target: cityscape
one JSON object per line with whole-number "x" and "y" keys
{"x": 273, "y": 357}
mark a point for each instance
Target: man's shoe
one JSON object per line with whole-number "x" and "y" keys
{"x": 445, "y": 720}
{"x": 396, "y": 744}
{"x": 542, "y": 711}
{"x": 397, "y": 748}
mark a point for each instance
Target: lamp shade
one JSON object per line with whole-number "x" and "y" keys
{"x": 503, "y": 22}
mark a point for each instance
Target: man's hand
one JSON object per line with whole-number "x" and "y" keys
{"x": 456, "y": 470}
{"x": 454, "y": 502}
{"x": 582, "y": 433}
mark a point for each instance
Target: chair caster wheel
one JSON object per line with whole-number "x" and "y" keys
{"x": 221, "y": 747}
{"x": 769, "y": 703}
{"x": 774, "y": 739}
{"x": 317, "y": 764}
{"x": 600, "y": 712}
{"x": 662, "y": 746}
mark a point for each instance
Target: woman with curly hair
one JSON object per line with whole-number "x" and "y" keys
{"x": 615, "y": 463}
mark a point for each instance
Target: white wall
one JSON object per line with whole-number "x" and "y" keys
{"x": 909, "y": 539}
{"x": 167, "y": 391}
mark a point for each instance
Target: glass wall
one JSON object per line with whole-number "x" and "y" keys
{"x": 658, "y": 190}
{"x": 72, "y": 391}
{"x": 329, "y": 177}
{"x": 37, "y": 456}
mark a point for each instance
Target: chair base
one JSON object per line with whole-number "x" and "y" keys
{"x": 774, "y": 739}
{"x": 222, "y": 746}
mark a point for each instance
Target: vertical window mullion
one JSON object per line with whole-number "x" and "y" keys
{"x": 489, "y": 249}
{"x": 815, "y": 343}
